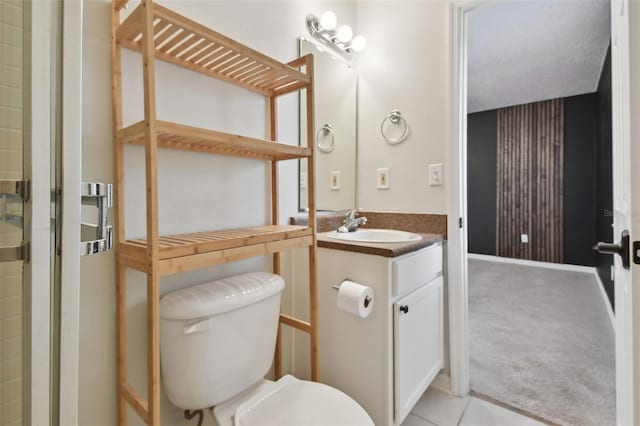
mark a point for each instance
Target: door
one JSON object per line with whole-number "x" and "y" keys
{"x": 626, "y": 354}
{"x": 418, "y": 340}
{"x": 29, "y": 61}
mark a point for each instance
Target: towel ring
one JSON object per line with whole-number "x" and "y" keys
{"x": 326, "y": 130}
{"x": 395, "y": 118}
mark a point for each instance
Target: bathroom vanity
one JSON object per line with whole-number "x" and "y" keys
{"x": 387, "y": 360}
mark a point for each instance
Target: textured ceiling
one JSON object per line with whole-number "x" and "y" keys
{"x": 522, "y": 51}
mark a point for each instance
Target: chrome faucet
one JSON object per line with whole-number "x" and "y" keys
{"x": 352, "y": 221}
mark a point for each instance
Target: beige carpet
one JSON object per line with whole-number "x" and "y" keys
{"x": 541, "y": 341}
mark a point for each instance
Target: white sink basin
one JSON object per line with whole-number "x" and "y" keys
{"x": 375, "y": 236}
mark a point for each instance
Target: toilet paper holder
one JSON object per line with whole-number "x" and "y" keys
{"x": 367, "y": 300}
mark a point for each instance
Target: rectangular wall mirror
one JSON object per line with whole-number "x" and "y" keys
{"x": 335, "y": 132}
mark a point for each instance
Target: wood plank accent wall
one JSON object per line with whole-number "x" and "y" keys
{"x": 530, "y": 181}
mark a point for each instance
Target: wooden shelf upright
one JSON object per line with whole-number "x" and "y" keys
{"x": 159, "y": 33}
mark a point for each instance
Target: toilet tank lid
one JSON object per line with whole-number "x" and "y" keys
{"x": 216, "y": 297}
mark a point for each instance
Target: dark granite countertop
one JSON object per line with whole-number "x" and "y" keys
{"x": 419, "y": 223}
{"x": 379, "y": 249}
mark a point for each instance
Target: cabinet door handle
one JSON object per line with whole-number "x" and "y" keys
{"x": 404, "y": 309}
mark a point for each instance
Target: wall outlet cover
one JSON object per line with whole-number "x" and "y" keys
{"x": 303, "y": 180}
{"x": 524, "y": 238}
{"x": 335, "y": 180}
{"x": 383, "y": 178}
{"x": 435, "y": 174}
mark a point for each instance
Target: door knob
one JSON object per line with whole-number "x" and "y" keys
{"x": 621, "y": 249}
{"x": 404, "y": 309}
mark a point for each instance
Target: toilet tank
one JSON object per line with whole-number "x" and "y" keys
{"x": 217, "y": 339}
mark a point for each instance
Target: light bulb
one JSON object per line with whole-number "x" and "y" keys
{"x": 344, "y": 33}
{"x": 358, "y": 43}
{"x": 328, "y": 20}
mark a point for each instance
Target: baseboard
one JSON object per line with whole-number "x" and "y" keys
{"x": 442, "y": 382}
{"x": 535, "y": 263}
{"x": 557, "y": 266}
{"x": 607, "y": 303}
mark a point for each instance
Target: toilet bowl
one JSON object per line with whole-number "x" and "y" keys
{"x": 291, "y": 402}
{"x": 216, "y": 345}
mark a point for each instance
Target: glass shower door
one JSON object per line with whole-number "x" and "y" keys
{"x": 12, "y": 194}
{"x": 29, "y": 122}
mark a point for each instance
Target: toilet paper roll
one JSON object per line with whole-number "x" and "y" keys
{"x": 356, "y": 299}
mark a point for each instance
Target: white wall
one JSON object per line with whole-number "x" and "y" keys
{"x": 197, "y": 191}
{"x": 405, "y": 67}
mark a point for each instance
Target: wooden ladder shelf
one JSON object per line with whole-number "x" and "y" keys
{"x": 159, "y": 33}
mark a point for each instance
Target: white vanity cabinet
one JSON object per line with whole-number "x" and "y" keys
{"x": 417, "y": 337}
{"x": 387, "y": 360}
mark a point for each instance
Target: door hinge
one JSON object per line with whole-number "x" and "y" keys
{"x": 459, "y": 222}
{"x": 17, "y": 253}
{"x": 18, "y": 188}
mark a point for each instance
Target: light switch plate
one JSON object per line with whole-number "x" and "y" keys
{"x": 335, "y": 180}
{"x": 383, "y": 178}
{"x": 435, "y": 174}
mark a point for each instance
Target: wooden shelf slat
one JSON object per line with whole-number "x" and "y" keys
{"x": 179, "y": 253}
{"x": 180, "y": 40}
{"x": 187, "y": 138}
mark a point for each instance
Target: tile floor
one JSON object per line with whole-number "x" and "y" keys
{"x": 437, "y": 408}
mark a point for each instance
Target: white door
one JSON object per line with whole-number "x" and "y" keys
{"x": 624, "y": 187}
{"x": 625, "y": 31}
{"x": 418, "y": 337}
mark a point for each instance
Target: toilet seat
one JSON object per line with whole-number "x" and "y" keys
{"x": 292, "y": 402}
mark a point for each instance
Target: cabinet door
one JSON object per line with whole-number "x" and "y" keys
{"x": 418, "y": 345}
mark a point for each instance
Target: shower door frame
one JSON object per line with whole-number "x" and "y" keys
{"x": 71, "y": 153}
{"x": 53, "y": 96}
{"x": 39, "y": 138}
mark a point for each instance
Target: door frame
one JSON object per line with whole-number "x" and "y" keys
{"x": 38, "y": 137}
{"x": 72, "y": 36}
{"x": 458, "y": 238}
{"x": 44, "y": 20}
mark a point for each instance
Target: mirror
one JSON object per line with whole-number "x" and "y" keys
{"x": 335, "y": 132}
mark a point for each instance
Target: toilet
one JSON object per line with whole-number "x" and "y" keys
{"x": 217, "y": 342}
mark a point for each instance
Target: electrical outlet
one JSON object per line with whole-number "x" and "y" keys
{"x": 335, "y": 180}
{"x": 383, "y": 178}
{"x": 303, "y": 180}
{"x": 435, "y": 174}
{"x": 524, "y": 238}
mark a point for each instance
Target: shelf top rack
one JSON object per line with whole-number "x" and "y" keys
{"x": 187, "y": 138}
{"x": 186, "y": 43}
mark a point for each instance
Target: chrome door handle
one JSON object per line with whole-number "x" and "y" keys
{"x": 621, "y": 249}
{"x": 97, "y": 238}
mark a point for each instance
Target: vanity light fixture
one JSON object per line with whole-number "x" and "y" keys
{"x": 342, "y": 41}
